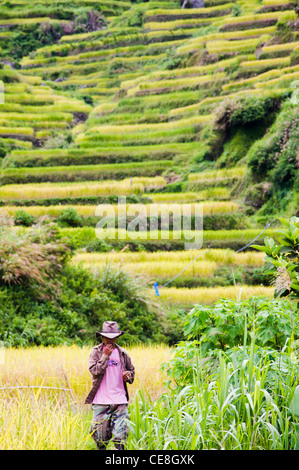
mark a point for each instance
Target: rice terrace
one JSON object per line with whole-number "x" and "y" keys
{"x": 149, "y": 225}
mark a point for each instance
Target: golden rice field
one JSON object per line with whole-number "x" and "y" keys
{"x": 37, "y": 419}
{"x": 165, "y": 265}
{"x": 167, "y": 269}
{"x": 125, "y": 187}
{"x": 217, "y": 255}
{"x": 207, "y": 208}
{"x": 218, "y": 174}
{"x": 188, "y": 196}
{"x": 207, "y": 295}
{"x": 73, "y": 189}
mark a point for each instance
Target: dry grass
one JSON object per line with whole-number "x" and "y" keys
{"x": 44, "y": 366}
{"x": 46, "y": 419}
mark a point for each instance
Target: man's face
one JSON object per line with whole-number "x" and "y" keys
{"x": 109, "y": 340}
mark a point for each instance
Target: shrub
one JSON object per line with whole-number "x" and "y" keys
{"x": 31, "y": 37}
{"x": 223, "y": 401}
{"x": 23, "y": 218}
{"x": 238, "y": 144}
{"x": 58, "y": 141}
{"x": 282, "y": 259}
{"x": 244, "y": 110}
{"x": 86, "y": 20}
{"x": 69, "y": 217}
{"x": 32, "y": 259}
{"x": 227, "y": 323}
{"x": 44, "y": 301}
{"x": 131, "y": 18}
{"x": 257, "y": 195}
{"x": 274, "y": 157}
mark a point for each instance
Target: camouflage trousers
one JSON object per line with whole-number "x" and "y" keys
{"x": 109, "y": 422}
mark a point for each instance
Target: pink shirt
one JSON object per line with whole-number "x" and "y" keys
{"x": 111, "y": 390}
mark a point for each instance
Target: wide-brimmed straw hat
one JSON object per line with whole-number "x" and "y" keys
{"x": 110, "y": 330}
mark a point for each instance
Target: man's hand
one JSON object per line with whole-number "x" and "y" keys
{"x": 108, "y": 349}
{"x": 126, "y": 376}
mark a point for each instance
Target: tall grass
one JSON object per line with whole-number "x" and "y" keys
{"x": 241, "y": 403}
{"x": 167, "y": 264}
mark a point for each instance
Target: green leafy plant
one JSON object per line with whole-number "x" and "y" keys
{"x": 44, "y": 300}
{"x": 23, "y": 218}
{"x": 244, "y": 110}
{"x": 282, "y": 259}
{"x": 228, "y": 323}
{"x": 69, "y": 217}
{"x": 241, "y": 399}
{"x": 274, "y": 159}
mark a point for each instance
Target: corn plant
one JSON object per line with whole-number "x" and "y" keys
{"x": 241, "y": 400}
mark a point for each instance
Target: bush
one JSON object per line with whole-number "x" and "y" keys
{"x": 244, "y": 111}
{"x": 43, "y": 302}
{"x": 257, "y": 195}
{"x": 227, "y": 323}
{"x": 32, "y": 259}
{"x": 23, "y": 218}
{"x": 274, "y": 157}
{"x": 3, "y": 150}
{"x": 223, "y": 401}
{"x": 238, "y": 144}
{"x": 282, "y": 263}
{"x": 31, "y": 37}
{"x": 58, "y": 141}
{"x": 69, "y": 217}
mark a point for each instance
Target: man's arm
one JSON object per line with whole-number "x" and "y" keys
{"x": 129, "y": 370}
{"x": 96, "y": 365}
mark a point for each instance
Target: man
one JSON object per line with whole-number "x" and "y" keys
{"x": 111, "y": 368}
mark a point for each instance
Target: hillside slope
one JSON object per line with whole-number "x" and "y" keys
{"x": 159, "y": 104}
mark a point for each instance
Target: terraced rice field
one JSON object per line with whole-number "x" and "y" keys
{"x": 112, "y": 112}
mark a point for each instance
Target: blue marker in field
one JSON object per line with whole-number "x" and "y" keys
{"x": 156, "y": 289}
